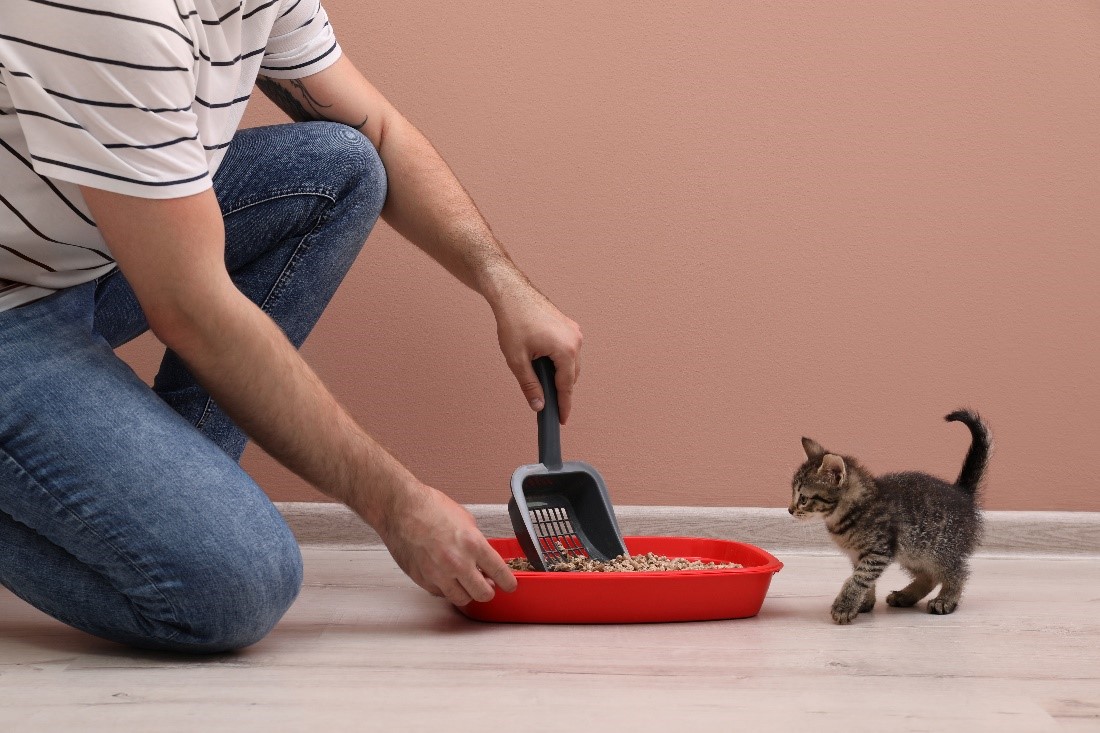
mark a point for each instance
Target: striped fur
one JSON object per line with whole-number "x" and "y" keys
{"x": 930, "y": 527}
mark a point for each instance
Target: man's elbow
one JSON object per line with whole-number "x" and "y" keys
{"x": 172, "y": 325}
{"x": 184, "y": 321}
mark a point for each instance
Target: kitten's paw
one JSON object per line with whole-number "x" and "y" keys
{"x": 867, "y": 605}
{"x": 940, "y": 607}
{"x": 844, "y": 614}
{"x": 898, "y": 599}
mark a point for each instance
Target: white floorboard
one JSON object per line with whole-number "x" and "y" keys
{"x": 364, "y": 649}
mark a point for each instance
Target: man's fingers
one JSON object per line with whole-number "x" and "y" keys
{"x": 496, "y": 570}
{"x": 477, "y": 586}
{"x": 565, "y": 376}
{"x": 529, "y": 383}
{"x": 456, "y": 593}
{"x": 431, "y": 588}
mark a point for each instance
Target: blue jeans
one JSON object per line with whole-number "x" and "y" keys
{"x": 123, "y": 510}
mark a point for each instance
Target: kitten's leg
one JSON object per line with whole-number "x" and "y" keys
{"x": 948, "y": 598}
{"x": 921, "y": 586}
{"x": 868, "y": 600}
{"x": 854, "y": 593}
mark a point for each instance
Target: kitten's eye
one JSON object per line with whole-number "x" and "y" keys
{"x": 802, "y": 500}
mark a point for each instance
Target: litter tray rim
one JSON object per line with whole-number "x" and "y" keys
{"x": 663, "y": 596}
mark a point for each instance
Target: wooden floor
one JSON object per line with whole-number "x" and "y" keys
{"x": 363, "y": 649}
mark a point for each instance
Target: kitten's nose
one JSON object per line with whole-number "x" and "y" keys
{"x": 790, "y": 509}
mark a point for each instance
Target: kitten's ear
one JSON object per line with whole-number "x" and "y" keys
{"x": 833, "y": 465}
{"x": 812, "y": 448}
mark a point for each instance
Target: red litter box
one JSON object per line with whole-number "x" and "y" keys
{"x": 561, "y": 510}
{"x": 637, "y": 597}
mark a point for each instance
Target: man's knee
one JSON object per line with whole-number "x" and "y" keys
{"x": 352, "y": 155}
{"x": 234, "y": 598}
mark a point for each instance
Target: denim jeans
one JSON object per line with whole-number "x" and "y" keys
{"x": 123, "y": 510}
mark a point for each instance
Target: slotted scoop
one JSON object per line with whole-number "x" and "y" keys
{"x": 560, "y": 510}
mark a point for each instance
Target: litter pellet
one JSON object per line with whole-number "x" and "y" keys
{"x": 624, "y": 564}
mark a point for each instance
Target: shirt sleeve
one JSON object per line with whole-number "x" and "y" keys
{"x": 104, "y": 94}
{"x": 302, "y": 41}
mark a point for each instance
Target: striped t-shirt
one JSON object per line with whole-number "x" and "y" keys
{"x": 139, "y": 97}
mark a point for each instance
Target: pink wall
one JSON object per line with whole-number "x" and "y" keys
{"x": 772, "y": 219}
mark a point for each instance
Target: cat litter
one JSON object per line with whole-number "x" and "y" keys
{"x": 649, "y": 562}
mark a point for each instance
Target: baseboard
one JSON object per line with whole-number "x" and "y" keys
{"x": 1007, "y": 533}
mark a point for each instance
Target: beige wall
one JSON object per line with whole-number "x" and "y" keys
{"x": 772, "y": 219}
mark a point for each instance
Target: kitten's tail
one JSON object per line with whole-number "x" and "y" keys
{"x": 980, "y": 447}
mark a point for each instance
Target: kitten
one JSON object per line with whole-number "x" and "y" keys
{"x": 927, "y": 525}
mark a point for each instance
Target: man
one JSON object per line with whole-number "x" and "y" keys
{"x": 130, "y": 201}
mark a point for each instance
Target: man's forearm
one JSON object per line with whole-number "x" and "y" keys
{"x": 284, "y": 406}
{"x": 428, "y": 206}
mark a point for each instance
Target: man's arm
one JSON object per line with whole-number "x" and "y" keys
{"x": 427, "y": 205}
{"x": 195, "y": 309}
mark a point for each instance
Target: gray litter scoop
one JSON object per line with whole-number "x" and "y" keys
{"x": 560, "y": 511}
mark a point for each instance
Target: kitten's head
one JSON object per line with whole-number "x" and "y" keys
{"x": 818, "y": 483}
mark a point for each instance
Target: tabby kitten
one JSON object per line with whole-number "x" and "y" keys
{"x": 929, "y": 526}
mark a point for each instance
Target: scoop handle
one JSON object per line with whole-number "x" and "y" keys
{"x": 549, "y": 427}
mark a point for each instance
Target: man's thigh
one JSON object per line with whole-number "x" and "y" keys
{"x": 93, "y": 461}
{"x": 298, "y": 201}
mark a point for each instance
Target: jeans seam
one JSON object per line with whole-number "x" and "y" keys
{"x": 288, "y": 269}
{"x": 205, "y": 413}
{"x": 4, "y": 454}
{"x": 281, "y": 194}
{"x": 292, "y": 262}
{"x": 107, "y": 276}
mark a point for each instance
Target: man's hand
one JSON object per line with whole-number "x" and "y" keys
{"x": 530, "y": 326}
{"x": 436, "y": 542}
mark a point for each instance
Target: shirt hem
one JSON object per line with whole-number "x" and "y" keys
{"x": 137, "y": 190}
{"x": 309, "y": 70}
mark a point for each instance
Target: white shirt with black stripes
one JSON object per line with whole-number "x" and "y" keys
{"x": 139, "y": 97}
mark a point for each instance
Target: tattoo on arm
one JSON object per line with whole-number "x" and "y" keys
{"x": 280, "y": 94}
